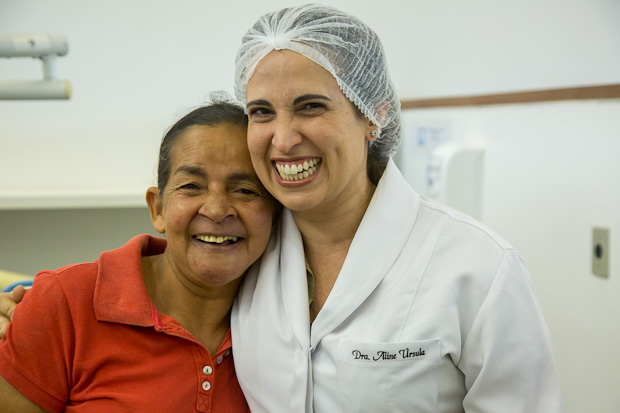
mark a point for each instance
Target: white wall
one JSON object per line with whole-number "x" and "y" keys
{"x": 136, "y": 66}
{"x": 551, "y": 169}
{"x": 552, "y": 172}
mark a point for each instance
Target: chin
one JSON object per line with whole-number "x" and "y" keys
{"x": 298, "y": 205}
{"x": 219, "y": 282}
{"x": 217, "y": 277}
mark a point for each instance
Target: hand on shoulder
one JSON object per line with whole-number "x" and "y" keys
{"x": 8, "y": 301}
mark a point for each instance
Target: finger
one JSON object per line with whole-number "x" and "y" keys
{"x": 7, "y": 305}
{"x": 8, "y": 301}
{"x": 18, "y": 293}
{"x": 4, "y": 322}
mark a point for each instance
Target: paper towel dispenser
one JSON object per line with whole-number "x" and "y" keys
{"x": 454, "y": 175}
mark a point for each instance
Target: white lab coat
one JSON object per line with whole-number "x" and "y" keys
{"x": 431, "y": 312}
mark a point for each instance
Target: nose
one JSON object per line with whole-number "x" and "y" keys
{"x": 217, "y": 207}
{"x": 285, "y": 136}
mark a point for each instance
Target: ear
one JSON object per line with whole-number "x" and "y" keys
{"x": 383, "y": 111}
{"x": 156, "y": 209}
{"x": 372, "y": 131}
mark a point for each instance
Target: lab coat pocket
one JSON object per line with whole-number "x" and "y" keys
{"x": 394, "y": 377}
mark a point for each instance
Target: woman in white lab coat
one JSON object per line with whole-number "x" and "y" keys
{"x": 412, "y": 306}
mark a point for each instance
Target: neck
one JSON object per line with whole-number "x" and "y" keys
{"x": 204, "y": 312}
{"x": 327, "y": 236}
{"x": 324, "y": 229}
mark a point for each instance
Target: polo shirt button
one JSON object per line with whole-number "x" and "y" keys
{"x": 206, "y": 385}
{"x": 220, "y": 359}
{"x": 207, "y": 370}
{"x": 227, "y": 353}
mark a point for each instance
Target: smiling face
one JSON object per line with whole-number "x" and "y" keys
{"x": 308, "y": 144}
{"x": 215, "y": 213}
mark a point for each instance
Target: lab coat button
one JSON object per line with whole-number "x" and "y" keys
{"x": 207, "y": 370}
{"x": 220, "y": 359}
{"x": 206, "y": 385}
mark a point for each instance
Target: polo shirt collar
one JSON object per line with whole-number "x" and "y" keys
{"x": 120, "y": 294}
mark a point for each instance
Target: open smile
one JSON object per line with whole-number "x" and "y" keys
{"x": 218, "y": 240}
{"x": 297, "y": 170}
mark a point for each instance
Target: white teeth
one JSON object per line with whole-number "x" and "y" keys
{"x": 216, "y": 240}
{"x": 300, "y": 171}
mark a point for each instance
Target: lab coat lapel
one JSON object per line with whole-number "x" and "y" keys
{"x": 376, "y": 246}
{"x": 294, "y": 279}
{"x": 270, "y": 327}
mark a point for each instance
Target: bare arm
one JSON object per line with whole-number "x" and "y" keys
{"x": 14, "y": 401}
{"x": 8, "y": 301}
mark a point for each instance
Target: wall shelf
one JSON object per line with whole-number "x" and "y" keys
{"x": 68, "y": 200}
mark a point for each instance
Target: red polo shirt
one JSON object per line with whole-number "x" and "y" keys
{"x": 87, "y": 338}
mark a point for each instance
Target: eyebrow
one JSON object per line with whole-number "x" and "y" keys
{"x": 234, "y": 177}
{"x": 263, "y": 102}
{"x": 191, "y": 170}
{"x": 240, "y": 176}
{"x": 259, "y": 102}
{"x": 310, "y": 97}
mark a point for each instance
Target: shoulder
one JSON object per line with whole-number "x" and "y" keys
{"x": 432, "y": 215}
{"x": 467, "y": 253}
{"x": 74, "y": 279}
{"x": 461, "y": 227}
{"x": 110, "y": 264}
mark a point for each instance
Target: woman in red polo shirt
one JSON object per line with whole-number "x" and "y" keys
{"x": 146, "y": 327}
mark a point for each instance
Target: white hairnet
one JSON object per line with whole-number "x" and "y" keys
{"x": 341, "y": 44}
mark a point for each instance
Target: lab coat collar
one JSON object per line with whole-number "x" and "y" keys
{"x": 377, "y": 244}
{"x": 294, "y": 278}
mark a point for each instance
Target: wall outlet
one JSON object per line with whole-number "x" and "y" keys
{"x": 600, "y": 251}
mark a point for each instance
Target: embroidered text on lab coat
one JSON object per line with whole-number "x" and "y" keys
{"x": 386, "y": 355}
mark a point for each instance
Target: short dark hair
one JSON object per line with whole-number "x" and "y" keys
{"x": 214, "y": 114}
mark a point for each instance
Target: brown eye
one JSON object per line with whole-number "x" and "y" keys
{"x": 259, "y": 113}
{"x": 247, "y": 192}
{"x": 189, "y": 186}
{"x": 313, "y": 108}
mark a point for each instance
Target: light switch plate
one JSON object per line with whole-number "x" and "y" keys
{"x": 600, "y": 251}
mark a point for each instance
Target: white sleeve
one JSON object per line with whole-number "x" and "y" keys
{"x": 507, "y": 357}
